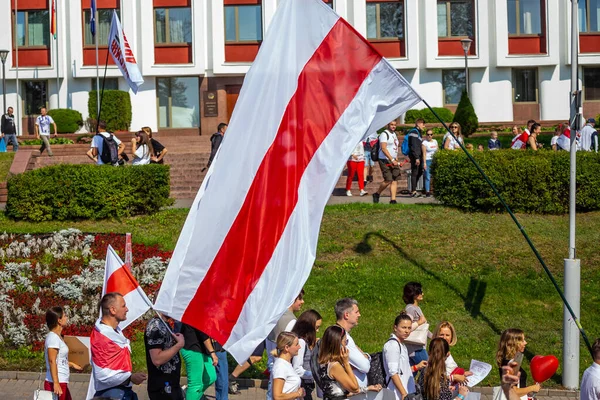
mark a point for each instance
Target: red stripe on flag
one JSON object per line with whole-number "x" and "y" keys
{"x": 108, "y": 354}
{"x": 326, "y": 86}
{"x": 121, "y": 281}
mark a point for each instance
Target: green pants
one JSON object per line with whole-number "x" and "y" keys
{"x": 201, "y": 373}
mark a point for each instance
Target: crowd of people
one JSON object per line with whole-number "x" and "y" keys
{"x": 299, "y": 362}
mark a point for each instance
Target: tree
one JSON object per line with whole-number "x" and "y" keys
{"x": 465, "y": 115}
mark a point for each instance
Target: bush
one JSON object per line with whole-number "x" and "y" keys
{"x": 116, "y": 109}
{"x": 67, "y": 120}
{"x": 465, "y": 115}
{"x": 536, "y": 182}
{"x": 71, "y": 192}
{"x": 412, "y": 115}
{"x": 38, "y": 142}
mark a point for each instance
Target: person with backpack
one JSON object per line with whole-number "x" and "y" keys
{"x": 415, "y": 154}
{"x": 106, "y": 147}
{"x": 215, "y": 142}
{"x": 388, "y": 162}
{"x": 396, "y": 364}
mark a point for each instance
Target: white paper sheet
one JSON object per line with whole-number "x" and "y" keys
{"x": 480, "y": 370}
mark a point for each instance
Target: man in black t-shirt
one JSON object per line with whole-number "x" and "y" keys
{"x": 215, "y": 142}
{"x": 163, "y": 361}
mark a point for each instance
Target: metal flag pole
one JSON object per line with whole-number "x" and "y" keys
{"x": 93, "y": 10}
{"x": 572, "y": 267}
{"x": 56, "y": 51}
{"x": 18, "y": 122}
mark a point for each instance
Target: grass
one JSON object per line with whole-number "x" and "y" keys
{"x": 6, "y": 160}
{"x": 476, "y": 271}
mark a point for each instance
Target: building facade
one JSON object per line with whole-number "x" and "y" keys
{"x": 194, "y": 54}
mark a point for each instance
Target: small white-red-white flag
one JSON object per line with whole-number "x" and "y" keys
{"x": 121, "y": 52}
{"x": 315, "y": 89}
{"x": 118, "y": 278}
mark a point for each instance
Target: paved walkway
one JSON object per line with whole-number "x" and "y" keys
{"x": 20, "y": 386}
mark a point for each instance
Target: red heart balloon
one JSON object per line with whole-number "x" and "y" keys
{"x": 543, "y": 368}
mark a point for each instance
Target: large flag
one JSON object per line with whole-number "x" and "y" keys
{"x": 247, "y": 247}
{"x": 93, "y": 18}
{"x": 53, "y": 19}
{"x": 118, "y": 278}
{"x": 121, "y": 52}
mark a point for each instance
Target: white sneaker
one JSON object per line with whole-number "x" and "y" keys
{"x": 348, "y": 193}
{"x": 363, "y": 192}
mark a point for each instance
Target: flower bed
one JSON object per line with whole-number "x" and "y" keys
{"x": 63, "y": 269}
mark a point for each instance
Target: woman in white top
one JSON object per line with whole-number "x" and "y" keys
{"x": 430, "y": 147}
{"x": 449, "y": 142}
{"x": 446, "y": 331}
{"x": 56, "y": 353}
{"x": 285, "y": 381}
{"x": 395, "y": 359}
{"x": 306, "y": 328}
{"x": 356, "y": 166}
{"x": 141, "y": 147}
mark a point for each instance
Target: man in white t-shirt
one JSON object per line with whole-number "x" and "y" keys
{"x": 42, "y": 129}
{"x": 347, "y": 315}
{"x": 388, "y": 162}
{"x": 590, "y": 382}
{"x": 95, "y": 151}
{"x": 589, "y": 136}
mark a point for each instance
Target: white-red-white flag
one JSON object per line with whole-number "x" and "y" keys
{"x": 316, "y": 88}
{"x": 121, "y": 52}
{"x": 519, "y": 142}
{"x": 118, "y": 278}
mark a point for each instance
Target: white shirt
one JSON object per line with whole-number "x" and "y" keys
{"x": 53, "y": 341}
{"x": 43, "y": 122}
{"x": 395, "y": 362}
{"x": 453, "y": 145}
{"x": 586, "y": 137}
{"x": 360, "y": 364}
{"x": 431, "y": 146}
{"x": 141, "y": 155}
{"x": 451, "y": 365}
{"x": 98, "y": 143}
{"x": 270, "y": 345}
{"x": 553, "y": 140}
{"x": 359, "y": 152}
{"x": 284, "y": 370}
{"x": 392, "y": 144}
{"x": 298, "y": 361}
{"x": 590, "y": 383}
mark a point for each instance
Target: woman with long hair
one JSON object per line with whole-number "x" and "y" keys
{"x": 306, "y": 329}
{"x": 449, "y": 143}
{"x": 446, "y": 331}
{"x": 335, "y": 376}
{"x": 412, "y": 296}
{"x": 285, "y": 381}
{"x": 434, "y": 382}
{"x": 142, "y": 149}
{"x": 56, "y": 353}
{"x": 511, "y": 342}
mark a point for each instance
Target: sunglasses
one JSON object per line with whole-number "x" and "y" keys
{"x": 430, "y": 134}
{"x": 454, "y": 127}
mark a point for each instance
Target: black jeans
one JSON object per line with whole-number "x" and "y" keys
{"x": 416, "y": 171}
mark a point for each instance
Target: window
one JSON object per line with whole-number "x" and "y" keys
{"x": 173, "y": 25}
{"x": 103, "y": 20}
{"x": 589, "y": 16}
{"x": 178, "y": 102}
{"x": 385, "y": 20}
{"x": 525, "y": 85}
{"x": 33, "y": 28}
{"x": 109, "y": 84}
{"x": 524, "y": 17}
{"x": 453, "y": 83}
{"x": 591, "y": 83}
{"x": 455, "y": 18}
{"x": 35, "y": 96}
{"x": 243, "y": 23}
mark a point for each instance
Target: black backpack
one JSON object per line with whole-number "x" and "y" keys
{"x": 110, "y": 150}
{"x": 375, "y": 151}
{"x": 376, "y": 374}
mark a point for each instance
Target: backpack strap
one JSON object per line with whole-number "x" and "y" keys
{"x": 400, "y": 347}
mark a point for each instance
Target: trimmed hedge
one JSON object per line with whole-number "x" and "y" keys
{"x": 67, "y": 120}
{"x": 465, "y": 116}
{"x": 71, "y": 192}
{"x": 116, "y": 109}
{"x": 533, "y": 182}
{"x": 412, "y": 115}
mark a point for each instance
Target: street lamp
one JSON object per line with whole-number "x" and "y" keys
{"x": 3, "y": 55}
{"x": 466, "y": 45}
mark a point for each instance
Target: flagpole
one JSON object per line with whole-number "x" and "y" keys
{"x": 17, "y": 69}
{"x": 102, "y": 96}
{"x": 97, "y": 70}
{"x": 55, "y": 21}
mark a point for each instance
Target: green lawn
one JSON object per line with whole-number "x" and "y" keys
{"x": 6, "y": 160}
{"x": 476, "y": 270}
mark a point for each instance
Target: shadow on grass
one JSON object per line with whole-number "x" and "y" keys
{"x": 472, "y": 300}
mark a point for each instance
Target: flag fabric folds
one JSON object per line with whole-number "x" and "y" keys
{"x": 519, "y": 142}
{"x": 315, "y": 90}
{"x": 118, "y": 278}
{"x": 93, "y": 18}
{"x": 121, "y": 52}
{"x": 111, "y": 357}
{"x": 53, "y": 19}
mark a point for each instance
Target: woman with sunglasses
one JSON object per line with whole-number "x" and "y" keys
{"x": 449, "y": 142}
{"x": 430, "y": 147}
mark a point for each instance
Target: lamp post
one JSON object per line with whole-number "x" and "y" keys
{"x": 466, "y": 45}
{"x": 3, "y": 55}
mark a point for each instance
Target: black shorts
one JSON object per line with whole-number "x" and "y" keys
{"x": 390, "y": 172}
{"x": 258, "y": 352}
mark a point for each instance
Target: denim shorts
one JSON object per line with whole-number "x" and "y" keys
{"x": 368, "y": 161}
